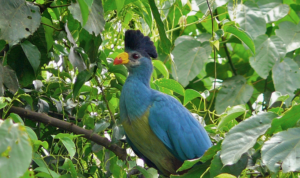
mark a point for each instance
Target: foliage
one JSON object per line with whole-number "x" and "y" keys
{"x": 240, "y": 77}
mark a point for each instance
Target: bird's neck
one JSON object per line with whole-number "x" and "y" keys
{"x": 136, "y": 94}
{"x": 141, "y": 75}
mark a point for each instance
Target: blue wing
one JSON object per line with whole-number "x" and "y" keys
{"x": 176, "y": 127}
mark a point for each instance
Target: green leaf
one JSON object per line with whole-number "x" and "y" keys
{"x": 69, "y": 166}
{"x": 273, "y": 10}
{"x": 161, "y": 67}
{"x": 18, "y": 20}
{"x": 84, "y": 11}
{"x": 189, "y": 95}
{"x": 195, "y": 171}
{"x": 268, "y": 51}
{"x": 230, "y": 114}
{"x": 48, "y": 32}
{"x": 189, "y": 56}
{"x": 119, "y": 4}
{"x": 76, "y": 60}
{"x": 188, "y": 164}
{"x": 66, "y": 139}
{"x": 211, "y": 152}
{"x": 236, "y": 169}
{"x": 15, "y": 149}
{"x": 2, "y": 44}
{"x": 243, "y": 136}
{"x": 10, "y": 80}
{"x": 3, "y": 102}
{"x": 241, "y": 35}
{"x": 288, "y": 120}
{"x": 47, "y": 171}
{"x": 289, "y": 33}
{"x": 282, "y": 150}
{"x": 95, "y": 23}
{"x": 225, "y": 175}
{"x": 234, "y": 91}
{"x": 165, "y": 42}
{"x": 118, "y": 132}
{"x": 277, "y": 96}
{"x": 32, "y": 53}
{"x": 171, "y": 85}
{"x": 248, "y": 16}
{"x": 101, "y": 126}
{"x": 286, "y": 76}
{"x": 149, "y": 173}
{"x": 81, "y": 78}
{"x": 16, "y": 118}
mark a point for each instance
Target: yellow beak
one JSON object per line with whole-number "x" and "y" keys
{"x": 121, "y": 59}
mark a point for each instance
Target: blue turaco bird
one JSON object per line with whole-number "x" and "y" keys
{"x": 158, "y": 128}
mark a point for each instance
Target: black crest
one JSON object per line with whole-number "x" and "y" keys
{"x": 135, "y": 40}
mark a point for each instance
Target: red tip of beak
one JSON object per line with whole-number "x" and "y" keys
{"x": 117, "y": 61}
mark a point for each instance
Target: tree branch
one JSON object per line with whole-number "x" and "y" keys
{"x": 88, "y": 134}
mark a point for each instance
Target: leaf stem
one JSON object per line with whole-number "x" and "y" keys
{"x": 214, "y": 49}
{"x": 105, "y": 100}
{"x": 51, "y": 27}
{"x": 64, "y": 5}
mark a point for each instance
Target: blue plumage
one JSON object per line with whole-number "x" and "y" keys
{"x": 159, "y": 129}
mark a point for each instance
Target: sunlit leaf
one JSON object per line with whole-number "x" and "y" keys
{"x": 234, "y": 91}
{"x": 19, "y": 19}
{"x": 15, "y": 149}
{"x": 268, "y": 51}
{"x": 243, "y": 136}
{"x": 289, "y": 33}
{"x": 283, "y": 150}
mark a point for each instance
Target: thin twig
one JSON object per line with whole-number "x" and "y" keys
{"x": 214, "y": 49}
{"x": 264, "y": 107}
{"x": 51, "y": 27}
{"x": 64, "y": 5}
{"x": 229, "y": 57}
{"x": 105, "y": 100}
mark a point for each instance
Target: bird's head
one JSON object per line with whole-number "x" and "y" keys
{"x": 138, "y": 51}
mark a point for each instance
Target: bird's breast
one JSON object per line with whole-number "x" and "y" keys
{"x": 144, "y": 139}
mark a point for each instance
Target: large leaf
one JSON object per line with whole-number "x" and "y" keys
{"x": 236, "y": 169}
{"x": 160, "y": 66}
{"x": 241, "y": 35}
{"x": 288, "y": 120}
{"x": 165, "y": 42}
{"x": 67, "y": 140}
{"x": 243, "y": 136}
{"x": 81, "y": 78}
{"x": 171, "y": 85}
{"x": 32, "y": 53}
{"x": 286, "y": 75}
{"x": 9, "y": 79}
{"x": 273, "y": 10}
{"x": 76, "y": 60}
{"x": 283, "y": 149}
{"x": 18, "y": 20}
{"x": 95, "y": 23}
{"x": 249, "y": 16}
{"x": 189, "y": 95}
{"x": 289, "y": 33}
{"x": 189, "y": 57}
{"x": 15, "y": 149}
{"x": 230, "y": 114}
{"x": 234, "y": 91}
{"x": 268, "y": 51}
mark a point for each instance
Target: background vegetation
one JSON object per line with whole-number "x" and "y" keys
{"x": 240, "y": 77}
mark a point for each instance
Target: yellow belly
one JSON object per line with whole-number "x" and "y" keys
{"x": 144, "y": 139}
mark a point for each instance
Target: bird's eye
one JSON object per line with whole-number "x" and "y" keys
{"x": 135, "y": 56}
